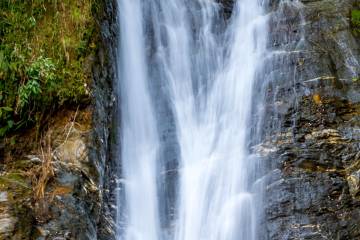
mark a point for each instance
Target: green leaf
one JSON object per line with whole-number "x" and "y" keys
{"x": 10, "y": 123}
{"x": 3, "y": 130}
{"x": 6, "y": 109}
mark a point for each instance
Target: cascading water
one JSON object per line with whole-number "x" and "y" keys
{"x": 139, "y": 139}
{"x": 205, "y": 67}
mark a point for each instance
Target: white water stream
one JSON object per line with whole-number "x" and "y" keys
{"x": 206, "y": 69}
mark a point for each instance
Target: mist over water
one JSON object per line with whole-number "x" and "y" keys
{"x": 186, "y": 55}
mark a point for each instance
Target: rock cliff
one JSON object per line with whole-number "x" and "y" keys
{"x": 312, "y": 121}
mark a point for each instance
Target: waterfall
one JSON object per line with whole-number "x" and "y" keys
{"x": 139, "y": 137}
{"x": 187, "y": 56}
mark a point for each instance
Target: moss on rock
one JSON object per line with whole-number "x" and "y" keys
{"x": 355, "y": 22}
{"x": 45, "y": 49}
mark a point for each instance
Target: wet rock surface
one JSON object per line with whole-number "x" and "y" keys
{"x": 312, "y": 122}
{"x": 50, "y": 191}
{"x": 104, "y": 73}
{"x": 7, "y": 221}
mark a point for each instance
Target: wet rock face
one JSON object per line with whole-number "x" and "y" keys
{"x": 312, "y": 121}
{"x": 227, "y": 6}
{"x": 51, "y": 191}
{"x": 104, "y": 74}
{"x": 68, "y": 207}
{"x": 7, "y": 221}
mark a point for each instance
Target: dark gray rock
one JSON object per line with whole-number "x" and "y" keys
{"x": 101, "y": 153}
{"x": 312, "y": 120}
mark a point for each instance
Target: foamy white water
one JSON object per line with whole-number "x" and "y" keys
{"x": 139, "y": 139}
{"x": 206, "y": 69}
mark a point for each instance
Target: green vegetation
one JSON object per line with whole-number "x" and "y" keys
{"x": 355, "y": 22}
{"x": 44, "y": 58}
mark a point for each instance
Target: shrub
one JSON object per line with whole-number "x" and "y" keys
{"x": 43, "y": 47}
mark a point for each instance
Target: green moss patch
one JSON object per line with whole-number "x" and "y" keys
{"x": 355, "y": 22}
{"x": 45, "y": 49}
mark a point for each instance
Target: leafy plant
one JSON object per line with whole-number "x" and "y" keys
{"x": 5, "y": 113}
{"x": 43, "y": 50}
{"x": 28, "y": 91}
